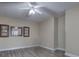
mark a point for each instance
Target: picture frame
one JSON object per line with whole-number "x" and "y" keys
{"x": 26, "y": 31}
{"x": 4, "y": 30}
{"x": 15, "y": 31}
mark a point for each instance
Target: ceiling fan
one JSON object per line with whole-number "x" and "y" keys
{"x": 33, "y": 8}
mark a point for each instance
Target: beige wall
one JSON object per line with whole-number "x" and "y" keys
{"x": 61, "y": 32}
{"x": 51, "y": 33}
{"x": 15, "y": 42}
{"x": 47, "y": 33}
{"x": 72, "y": 31}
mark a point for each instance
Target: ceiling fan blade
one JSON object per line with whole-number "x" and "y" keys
{"x": 38, "y": 11}
{"x": 29, "y": 4}
{"x": 48, "y": 11}
{"x": 24, "y": 8}
{"x": 38, "y": 6}
{"x": 33, "y": 3}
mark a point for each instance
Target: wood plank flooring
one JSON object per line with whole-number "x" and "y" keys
{"x": 31, "y": 52}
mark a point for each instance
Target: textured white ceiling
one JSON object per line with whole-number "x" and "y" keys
{"x": 50, "y": 8}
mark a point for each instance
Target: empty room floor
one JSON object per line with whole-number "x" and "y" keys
{"x": 31, "y": 52}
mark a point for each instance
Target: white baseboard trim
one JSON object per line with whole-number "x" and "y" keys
{"x": 71, "y": 55}
{"x": 48, "y": 48}
{"x": 18, "y": 48}
{"x": 60, "y": 49}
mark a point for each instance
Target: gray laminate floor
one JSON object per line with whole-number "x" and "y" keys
{"x": 31, "y": 52}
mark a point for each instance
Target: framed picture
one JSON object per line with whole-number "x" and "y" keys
{"x": 15, "y": 31}
{"x": 4, "y": 30}
{"x": 26, "y": 31}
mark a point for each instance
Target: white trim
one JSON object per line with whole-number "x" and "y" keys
{"x": 60, "y": 49}
{"x": 48, "y": 48}
{"x": 18, "y": 48}
{"x": 71, "y": 55}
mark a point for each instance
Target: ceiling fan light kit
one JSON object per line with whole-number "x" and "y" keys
{"x": 33, "y": 9}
